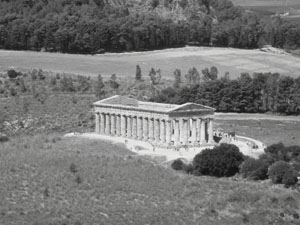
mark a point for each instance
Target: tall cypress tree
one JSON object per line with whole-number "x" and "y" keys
{"x": 99, "y": 87}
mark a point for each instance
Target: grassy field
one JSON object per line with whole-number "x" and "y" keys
{"x": 234, "y": 61}
{"x": 267, "y": 131}
{"x": 272, "y": 7}
{"x": 59, "y": 112}
{"x": 48, "y": 180}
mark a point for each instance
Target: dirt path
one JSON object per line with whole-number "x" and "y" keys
{"x": 147, "y": 149}
{"x": 254, "y": 116}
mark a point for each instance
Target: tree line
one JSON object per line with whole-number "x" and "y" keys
{"x": 91, "y": 26}
{"x": 259, "y": 93}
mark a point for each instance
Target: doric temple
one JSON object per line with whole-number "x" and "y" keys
{"x": 166, "y": 125}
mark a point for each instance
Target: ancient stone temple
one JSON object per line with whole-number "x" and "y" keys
{"x": 189, "y": 124}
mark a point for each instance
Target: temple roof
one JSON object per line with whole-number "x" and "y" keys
{"x": 119, "y": 101}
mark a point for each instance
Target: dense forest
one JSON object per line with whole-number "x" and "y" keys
{"x": 262, "y": 92}
{"x": 90, "y": 26}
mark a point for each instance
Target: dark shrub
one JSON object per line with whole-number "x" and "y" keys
{"x": 73, "y": 168}
{"x": 197, "y": 173}
{"x": 12, "y": 91}
{"x": 33, "y": 74}
{"x": 266, "y": 158}
{"x": 290, "y": 178}
{"x": 12, "y": 74}
{"x": 3, "y": 138}
{"x": 277, "y": 171}
{"x": 296, "y": 166}
{"x": 46, "y": 192}
{"x": 296, "y": 215}
{"x": 41, "y": 75}
{"x": 52, "y": 81}
{"x": 78, "y": 179}
{"x": 188, "y": 168}
{"x": 255, "y": 169}
{"x": 293, "y": 151}
{"x": 223, "y": 160}
{"x": 277, "y": 152}
{"x": 177, "y": 164}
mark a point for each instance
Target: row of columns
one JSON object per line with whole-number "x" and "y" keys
{"x": 179, "y": 131}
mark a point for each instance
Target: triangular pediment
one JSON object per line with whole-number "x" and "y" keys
{"x": 119, "y": 100}
{"x": 192, "y": 107}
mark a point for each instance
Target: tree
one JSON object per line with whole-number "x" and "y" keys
{"x": 83, "y": 83}
{"x": 41, "y": 75}
{"x": 206, "y": 75}
{"x": 177, "y": 78}
{"x": 99, "y": 88}
{"x": 113, "y": 82}
{"x": 12, "y": 92}
{"x": 42, "y": 95}
{"x": 277, "y": 152}
{"x": 183, "y": 3}
{"x": 138, "y": 73}
{"x": 177, "y": 164}
{"x": 226, "y": 76}
{"x": 155, "y": 76}
{"x": 255, "y": 169}
{"x": 22, "y": 86}
{"x": 223, "y": 160}
{"x": 52, "y": 81}
{"x": 33, "y": 74}
{"x": 278, "y": 170}
{"x": 154, "y": 3}
{"x": 67, "y": 85}
{"x": 210, "y": 75}
{"x": 213, "y": 73}
{"x": 12, "y": 74}
{"x": 193, "y": 76}
{"x": 290, "y": 178}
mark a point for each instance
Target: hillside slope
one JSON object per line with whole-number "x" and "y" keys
{"x": 89, "y": 26}
{"x": 79, "y": 181}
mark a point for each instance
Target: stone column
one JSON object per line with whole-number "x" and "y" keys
{"x": 198, "y": 130}
{"x": 107, "y": 124}
{"x": 186, "y": 132}
{"x": 123, "y": 125}
{"x": 194, "y": 132}
{"x": 145, "y": 129}
{"x": 156, "y": 130}
{"x": 162, "y": 131}
{"x": 134, "y": 127}
{"x": 202, "y": 132}
{"x": 102, "y": 123}
{"x": 118, "y": 125}
{"x": 140, "y": 128}
{"x": 97, "y": 126}
{"x": 113, "y": 124}
{"x": 151, "y": 129}
{"x": 210, "y": 131}
{"x": 176, "y": 133}
{"x": 168, "y": 132}
{"x": 181, "y": 131}
{"x": 129, "y": 127}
